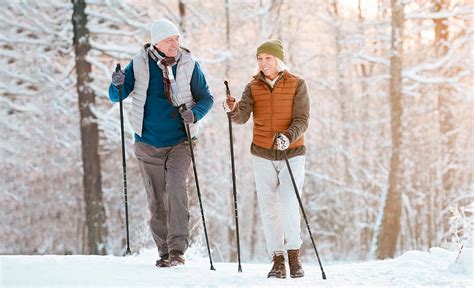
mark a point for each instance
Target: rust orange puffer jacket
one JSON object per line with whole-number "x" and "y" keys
{"x": 273, "y": 109}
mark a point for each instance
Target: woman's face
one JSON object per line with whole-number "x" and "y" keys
{"x": 268, "y": 65}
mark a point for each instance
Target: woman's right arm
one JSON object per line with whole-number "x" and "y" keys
{"x": 241, "y": 113}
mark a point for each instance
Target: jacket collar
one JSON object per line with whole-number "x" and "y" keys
{"x": 260, "y": 77}
{"x": 185, "y": 53}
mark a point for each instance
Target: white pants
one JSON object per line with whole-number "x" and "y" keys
{"x": 277, "y": 200}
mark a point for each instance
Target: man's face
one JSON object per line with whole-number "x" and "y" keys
{"x": 268, "y": 65}
{"x": 169, "y": 46}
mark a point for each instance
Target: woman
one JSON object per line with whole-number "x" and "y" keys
{"x": 280, "y": 105}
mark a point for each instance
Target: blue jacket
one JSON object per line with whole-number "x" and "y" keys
{"x": 162, "y": 123}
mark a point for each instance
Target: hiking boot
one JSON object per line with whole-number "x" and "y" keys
{"x": 296, "y": 269}
{"x": 164, "y": 261}
{"x": 278, "y": 269}
{"x": 176, "y": 258}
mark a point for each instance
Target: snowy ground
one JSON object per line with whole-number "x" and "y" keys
{"x": 414, "y": 268}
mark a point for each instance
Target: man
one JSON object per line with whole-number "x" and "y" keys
{"x": 161, "y": 78}
{"x": 280, "y": 105}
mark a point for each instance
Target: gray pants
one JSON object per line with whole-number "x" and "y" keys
{"x": 165, "y": 172}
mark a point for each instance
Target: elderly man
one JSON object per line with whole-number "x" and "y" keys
{"x": 160, "y": 78}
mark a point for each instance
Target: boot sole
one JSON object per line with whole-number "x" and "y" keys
{"x": 163, "y": 265}
{"x": 176, "y": 263}
{"x": 277, "y": 276}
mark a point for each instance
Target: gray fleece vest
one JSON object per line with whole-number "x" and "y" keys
{"x": 184, "y": 72}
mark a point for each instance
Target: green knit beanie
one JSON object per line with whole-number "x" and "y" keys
{"x": 273, "y": 47}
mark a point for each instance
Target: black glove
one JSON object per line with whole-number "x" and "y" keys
{"x": 187, "y": 115}
{"x": 118, "y": 77}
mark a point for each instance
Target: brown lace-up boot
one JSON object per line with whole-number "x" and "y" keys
{"x": 176, "y": 258}
{"x": 296, "y": 269}
{"x": 164, "y": 261}
{"x": 278, "y": 269}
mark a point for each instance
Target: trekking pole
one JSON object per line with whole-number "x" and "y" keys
{"x": 236, "y": 212}
{"x": 188, "y": 132}
{"x": 459, "y": 254}
{"x": 302, "y": 210}
{"x": 124, "y": 164}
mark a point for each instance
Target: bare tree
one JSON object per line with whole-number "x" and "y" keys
{"x": 95, "y": 211}
{"x": 447, "y": 125}
{"x": 182, "y": 16}
{"x": 390, "y": 229}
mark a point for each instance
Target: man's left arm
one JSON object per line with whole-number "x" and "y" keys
{"x": 300, "y": 116}
{"x": 201, "y": 94}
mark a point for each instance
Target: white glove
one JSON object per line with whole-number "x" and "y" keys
{"x": 229, "y": 105}
{"x": 282, "y": 142}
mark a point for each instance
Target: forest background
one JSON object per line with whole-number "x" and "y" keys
{"x": 390, "y": 155}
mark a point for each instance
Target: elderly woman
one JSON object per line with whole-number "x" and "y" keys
{"x": 280, "y": 105}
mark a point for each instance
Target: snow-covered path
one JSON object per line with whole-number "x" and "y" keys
{"x": 410, "y": 269}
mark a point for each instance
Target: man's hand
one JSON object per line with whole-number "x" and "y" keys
{"x": 118, "y": 77}
{"x": 187, "y": 115}
{"x": 229, "y": 104}
{"x": 281, "y": 142}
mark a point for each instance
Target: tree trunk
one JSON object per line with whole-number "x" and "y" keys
{"x": 232, "y": 229}
{"x": 95, "y": 212}
{"x": 182, "y": 16}
{"x": 390, "y": 228}
{"x": 343, "y": 99}
{"x": 447, "y": 123}
{"x": 367, "y": 158}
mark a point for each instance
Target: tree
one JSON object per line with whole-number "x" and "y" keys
{"x": 182, "y": 16}
{"x": 446, "y": 104}
{"x": 390, "y": 229}
{"x": 95, "y": 211}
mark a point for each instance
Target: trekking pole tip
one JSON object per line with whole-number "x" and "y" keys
{"x": 324, "y": 276}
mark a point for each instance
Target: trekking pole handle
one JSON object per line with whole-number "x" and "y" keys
{"x": 118, "y": 68}
{"x": 227, "y": 90}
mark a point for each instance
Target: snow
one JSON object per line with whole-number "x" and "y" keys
{"x": 414, "y": 268}
{"x": 464, "y": 263}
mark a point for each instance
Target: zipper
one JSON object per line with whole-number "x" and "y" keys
{"x": 280, "y": 77}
